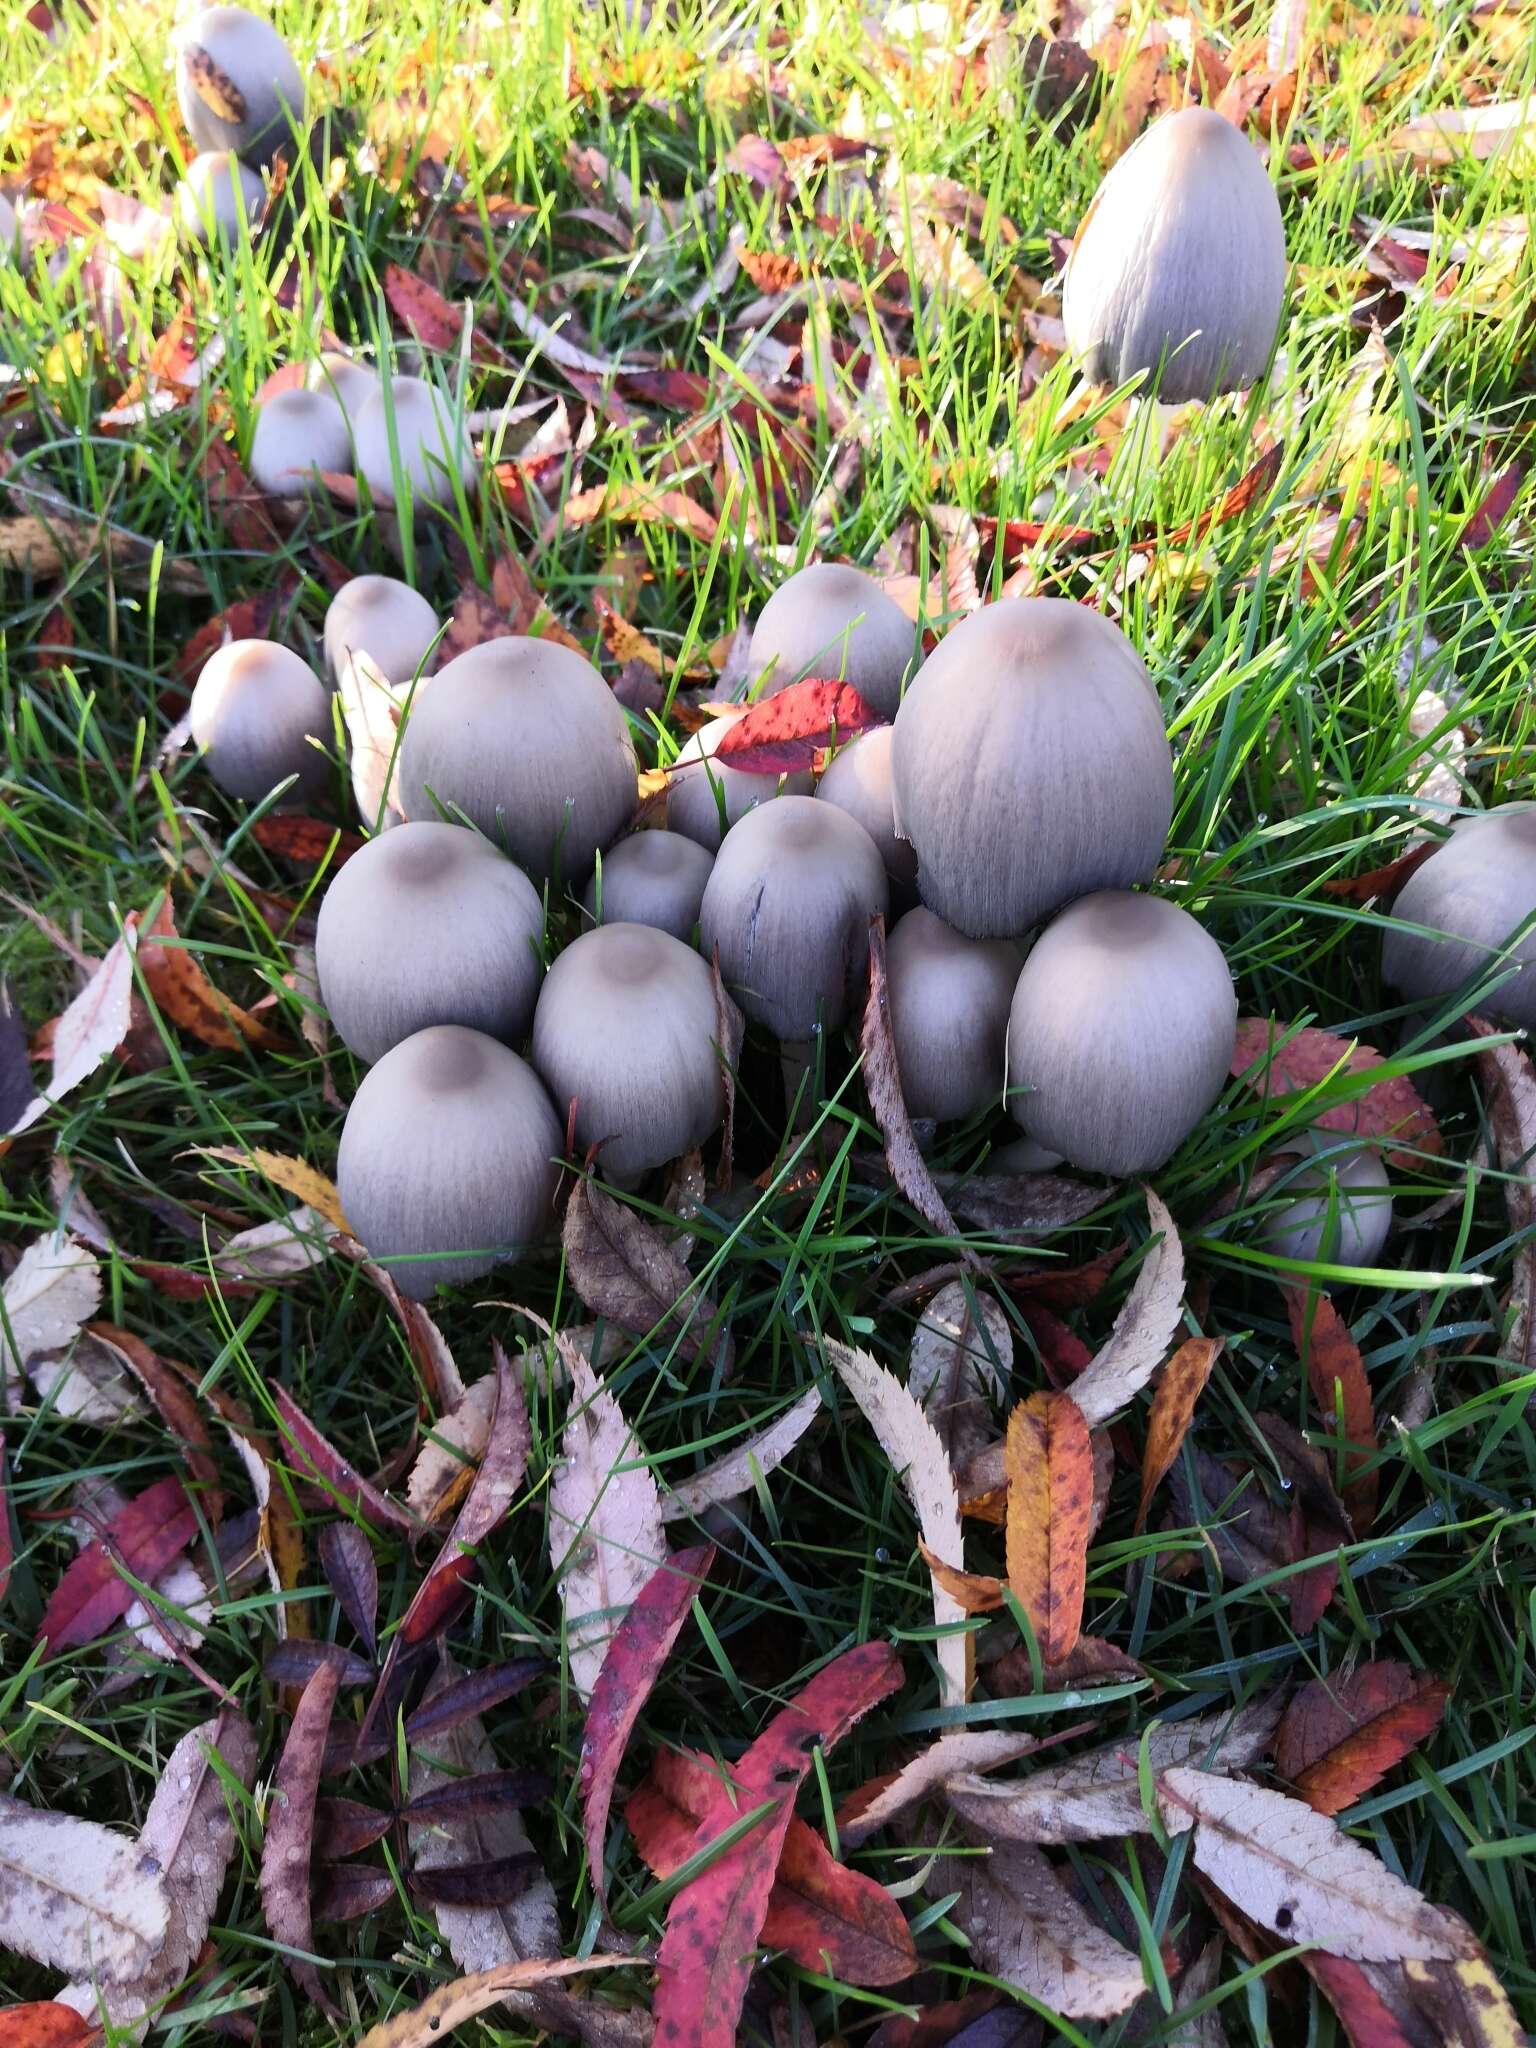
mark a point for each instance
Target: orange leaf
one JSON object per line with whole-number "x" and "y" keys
{"x": 1336, "y": 1374}
{"x": 624, "y": 641}
{"x": 1050, "y": 1511}
{"x": 186, "y": 995}
{"x": 44, "y": 2025}
{"x": 784, "y": 733}
{"x": 770, "y": 269}
{"x": 1380, "y": 881}
{"x": 308, "y": 842}
{"x": 1340, "y": 1736}
{"x": 976, "y": 1592}
{"x": 1179, "y": 1387}
{"x": 634, "y": 502}
{"x": 1390, "y": 1108}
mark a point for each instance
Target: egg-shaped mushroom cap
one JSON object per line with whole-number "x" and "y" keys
{"x": 298, "y": 433}
{"x": 1121, "y": 1032}
{"x": 428, "y": 924}
{"x": 388, "y": 621}
{"x": 626, "y": 1029}
{"x": 349, "y": 383}
{"x": 1338, "y": 1207}
{"x": 430, "y": 443}
{"x": 858, "y": 780}
{"x": 831, "y": 620}
{"x": 697, "y": 787}
{"x": 1470, "y": 899}
{"x": 219, "y": 196}
{"x": 788, "y": 903}
{"x": 529, "y": 742}
{"x": 257, "y": 62}
{"x": 10, "y": 226}
{"x": 654, "y": 878}
{"x": 448, "y": 1158}
{"x": 1179, "y": 265}
{"x": 1030, "y": 765}
{"x": 950, "y": 998}
{"x": 259, "y": 715}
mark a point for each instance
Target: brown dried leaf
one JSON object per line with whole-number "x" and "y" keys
{"x": 285, "y": 1853}
{"x": 1143, "y": 1328}
{"x": 624, "y": 1270}
{"x": 1341, "y": 1736}
{"x": 215, "y": 88}
{"x": 1179, "y": 1387}
{"x": 187, "y": 997}
{"x": 1050, "y": 1504}
{"x": 959, "y": 1368}
{"x": 1509, "y": 1085}
{"x": 882, "y": 1079}
{"x": 91, "y": 1029}
{"x": 453, "y": 2004}
{"x": 78, "y": 1897}
{"x": 738, "y": 1471}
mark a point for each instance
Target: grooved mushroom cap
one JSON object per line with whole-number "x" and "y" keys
{"x": 259, "y": 64}
{"x": 1030, "y": 766}
{"x": 1471, "y": 896}
{"x": 789, "y": 902}
{"x": 830, "y": 620}
{"x": 654, "y": 878}
{"x": 696, "y": 788}
{"x": 1179, "y": 263}
{"x": 259, "y": 715}
{"x": 385, "y": 619}
{"x": 218, "y": 196}
{"x": 447, "y": 1160}
{"x": 1352, "y": 1184}
{"x": 430, "y": 442}
{"x": 347, "y": 382}
{"x": 626, "y": 1028}
{"x": 950, "y": 998}
{"x": 1121, "y": 1032}
{"x": 428, "y": 924}
{"x": 298, "y": 433}
{"x": 529, "y": 742}
{"x": 858, "y": 781}
{"x": 9, "y": 226}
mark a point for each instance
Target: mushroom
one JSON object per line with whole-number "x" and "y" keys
{"x": 237, "y": 84}
{"x": 949, "y": 998}
{"x": 260, "y": 715}
{"x": 388, "y": 621}
{"x": 298, "y": 433}
{"x": 832, "y": 620}
{"x": 448, "y": 1158}
{"x": 1178, "y": 270}
{"x": 1023, "y": 1155}
{"x": 654, "y": 878}
{"x": 528, "y": 741}
{"x": 1030, "y": 766}
{"x": 349, "y": 383}
{"x": 1468, "y": 914}
{"x": 1121, "y": 1032}
{"x": 412, "y": 443}
{"x": 698, "y": 790}
{"x": 626, "y": 1030}
{"x": 428, "y": 924}
{"x": 219, "y": 197}
{"x": 858, "y": 780}
{"x": 1338, "y": 1207}
{"x": 10, "y": 226}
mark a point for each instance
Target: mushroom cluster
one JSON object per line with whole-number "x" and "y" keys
{"x": 241, "y": 95}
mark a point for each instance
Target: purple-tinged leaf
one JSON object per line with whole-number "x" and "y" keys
{"x": 346, "y": 1558}
{"x": 353, "y": 1889}
{"x": 477, "y": 1884}
{"x": 143, "y": 1539}
{"x": 333, "y": 1471}
{"x": 296, "y": 1662}
{"x": 286, "y": 1852}
{"x": 344, "y": 1826}
{"x": 475, "y": 1693}
{"x": 475, "y": 1798}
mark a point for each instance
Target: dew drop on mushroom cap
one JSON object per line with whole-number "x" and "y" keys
{"x": 654, "y": 878}
{"x": 626, "y": 1029}
{"x": 448, "y": 1158}
{"x": 788, "y": 903}
{"x": 430, "y": 443}
{"x": 218, "y": 197}
{"x": 529, "y": 742}
{"x": 259, "y": 715}
{"x": 428, "y": 924}
{"x": 831, "y": 620}
{"x": 950, "y": 998}
{"x": 385, "y": 619}
{"x": 298, "y": 433}
{"x": 259, "y": 65}
{"x": 858, "y": 781}
{"x": 1121, "y": 1032}
{"x": 1178, "y": 270}
{"x": 1471, "y": 897}
{"x": 698, "y": 785}
{"x": 1338, "y": 1207}
{"x": 1030, "y": 766}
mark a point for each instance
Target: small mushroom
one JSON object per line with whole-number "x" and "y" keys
{"x": 260, "y": 715}
{"x": 1178, "y": 270}
{"x": 237, "y": 84}
{"x": 389, "y": 622}
{"x": 698, "y": 790}
{"x": 831, "y": 620}
{"x": 1469, "y": 913}
{"x": 653, "y": 878}
{"x": 349, "y": 383}
{"x": 412, "y": 443}
{"x": 1030, "y": 766}
{"x": 1337, "y": 1208}
{"x": 858, "y": 780}
{"x": 448, "y": 1158}
{"x": 428, "y": 924}
{"x": 949, "y": 998}
{"x": 527, "y": 740}
{"x": 1023, "y": 1155}
{"x": 298, "y": 433}
{"x": 218, "y": 198}
{"x": 626, "y": 1029}
{"x": 10, "y": 227}
{"x": 1121, "y": 1032}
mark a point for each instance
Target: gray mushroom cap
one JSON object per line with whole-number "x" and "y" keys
{"x": 349, "y": 383}
{"x": 1179, "y": 264}
{"x": 1121, "y": 1032}
{"x": 1337, "y": 1208}
{"x": 448, "y": 1158}
{"x": 428, "y": 924}
{"x": 950, "y": 997}
{"x": 259, "y": 715}
{"x": 529, "y": 742}
{"x": 788, "y": 903}
{"x": 1030, "y": 766}
{"x": 653, "y": 878}
{"x": 1023, "y": 1155}
{"x": 626, "y": 1029}
{"x": 831, "y": 620}
{"x": 219, "y": 196}
{"x": 388, "y": 621}
{"x": 697, "y": 787}
{"x": 858, "y": 781}
{"x": 412, "y": 422}
{"x": 298, "y": 433}
{"x": 10, "y": 227}
{"x": 1471, "y": 897}
{"x": 258, "y": 63}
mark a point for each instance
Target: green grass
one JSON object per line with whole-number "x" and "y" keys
{"x": 1284, "y": 686}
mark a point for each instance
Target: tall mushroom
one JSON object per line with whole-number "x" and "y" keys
{"x": 298, "y": 433}
{"x": 858, "y": 780}
{"x": 219, "y": 197}
{"x": 388, "y": 621}
{"x": 260, "y": 715}
{"x": 1469, "y": 915}
{"x": 949, "y": 999}
{"x": 1030, "y": 766}
{"x": 654, "y": 878}
{"x": 237, "y": 84}
{"x": 831, "y": 620}
{"x": 412, "y": 445}
{"x": 700, "y": 789}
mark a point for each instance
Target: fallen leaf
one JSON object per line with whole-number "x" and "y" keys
{"x": 1179, "y": 1387}
{"x": 294, "y": 1176}
{"x": 1336, "y": 1374}
{"x": 1452, "y": 132}
{"x": 286, "y": 1849}
{"x": 310, "y": 843}
{"x": 370, "y": 710}
{"x": 625, "y": 1271}
{"x": 346, "y": 1558}
{"x": 1509, "y": 1085}
{"x": 147, "y": 1536}
{"x": 882, "y": 1080}
{"x": 452, "y": 2004}
{"x": 7, "y": 1543}
{"x": 245, "y": 513}
{"x": 1050, "y": 1501}
{"x": 327, "y": 1465}
{"x": 959, "y": 1367}
{"x": 1494, "y": 508}
{"x": 176, "y": 1406}
{"x": 738, "y": 1471}
{"x": 1340, "y": 1736}
{"x": 215, "y": 88}
{"x": 91, "y": 1029}
{"x": 1018, "y": 1207}
{"x": 51, "y": 1293}
{"x": 1319, "y": 1526}
{"x": 637, "y": 503}
{"x": 48, "y": 2024}
{"x": 1249, "y": 1536}
{"x": 187, "y": 997}
{"x": 433, "y": 320}
{"x": 730, "y": 1030}
{"x": 296, "y": 1662}
{"x": 784, "y": 733}
{"x": 1383, "y": 882}
{"x": 1143, "y": 1328}
{"x": 1254, "y": 484}
{"x": 78, "y": 1897}
{"x": 1459, "y": 2004}
{"x": 1275, "y": 1063}
{"x": 963, "y": 1752}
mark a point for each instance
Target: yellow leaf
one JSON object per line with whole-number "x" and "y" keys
{"x": 305, "y": 1183}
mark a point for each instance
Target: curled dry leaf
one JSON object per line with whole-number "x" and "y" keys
{"x": 294, "y": 1176}
{"x": 1336, "y": 1374}
{"x": 1340, "y": 1736}
{"x": 882, "y": 1080}
{"x": 1274, "y": 1063}
{"x": 1143, "y": 1328}
{"x": 91, "y": 1029}
{"x": 187, "y": 997}
{"x": 285, "y": 1853}
{"x": 964, "y": 1752}
{"x": 625, "y": 1271}
{"x": 1179, "y": 1386}
{"x": 78, "y": 1897}
{"x": 784, "y": 733}
{"x": 1050, "y": 1509}
{"x": 739, "y": 1470}
{"x": 1509, "y": 1086}
{"x": 176, "y": 1407}
{"x": 452, "y": 2004}
{"x": 730, "y": 1030}
{"x": 215, "y": 88}
{"x": 1018, "y": 1207}
{"x": 959, "y": 1367}
{"x": 1437, "y": 2005}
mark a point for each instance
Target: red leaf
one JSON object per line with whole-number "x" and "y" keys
{"x": 1336, "y": 1374}
{"x": 1360, "y": 2010}
{"x": 785, "y": 733}
{"x": 1380, "y": 881}
{"x": 433, "y": 320}
{"x": 43, "y": 2025}
{"x": 346, "y": 1558}
{"x": 757, "y": 160}
{"x": 1340, "y": 1736}
{"x": 176, "y": 1407}
{"x": 333, "y": 1470}
{"x": 636, "y": 1653}
{"x": 1488, "y": 517}
{"x": 286, "y": 1852}
{"x": 307, "y": 842}
{"x": 936, "y": 2025}
{"x": 1238, "y": 499}
{"x": 500, "y": 1475}
{"x": 677, "y": 390}
{"x": 1063, "y": 1354}
{"x": 237, "y": 502}
{"x": 248, "y": 618}
{"x": 143, "y": 1538}
{"x": 1392, "y": 1108}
